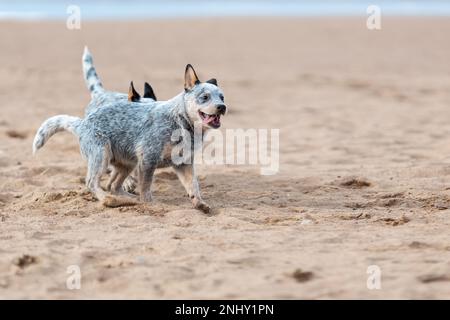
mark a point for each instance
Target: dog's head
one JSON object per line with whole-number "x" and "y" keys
{"x": 204, "y": 100}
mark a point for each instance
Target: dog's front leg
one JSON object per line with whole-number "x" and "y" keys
{"x": 145, "y": 178}
{"x": 188, "y": 179}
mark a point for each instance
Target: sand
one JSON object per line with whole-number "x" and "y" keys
{"x": 364, "y": 163}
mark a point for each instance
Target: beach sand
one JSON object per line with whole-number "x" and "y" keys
{"x": 364, "y": 174}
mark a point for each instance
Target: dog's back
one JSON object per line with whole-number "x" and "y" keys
{"x": 127, "y": 126}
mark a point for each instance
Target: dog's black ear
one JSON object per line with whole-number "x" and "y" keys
{"x": 212, "y": 81}
{"x": 190, "y": 78}
{"x": 132, "y": 94}
{"x": 148, "y": 92}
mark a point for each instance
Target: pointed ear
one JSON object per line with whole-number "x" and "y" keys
{"x": 148, "y": 92}
{"x": 132, "y": 94}
{"x": 190, "y": 78}
{"x": 213, "y": 81}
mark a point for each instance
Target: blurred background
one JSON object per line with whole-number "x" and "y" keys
{"x": 142, "y": 9}
{"x": 364, "y": 172}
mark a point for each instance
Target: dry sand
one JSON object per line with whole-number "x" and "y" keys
{"x": 364, "y": 177}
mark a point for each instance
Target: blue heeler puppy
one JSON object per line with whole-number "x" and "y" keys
{"x": 133, "y": 96}
{"x": 108, "y": 97}
{"x": 128, "y": 135}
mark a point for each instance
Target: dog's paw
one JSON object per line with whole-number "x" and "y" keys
{"x": 201, "y": 205}
{"x": 129, "y": 185}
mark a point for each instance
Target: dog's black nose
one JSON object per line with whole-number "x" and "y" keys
{"x": 221, "y": 108}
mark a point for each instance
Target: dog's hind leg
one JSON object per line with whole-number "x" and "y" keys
{"x": 117, "y": 186}
{"x": 112, "y": 178}
{"x": 98, "y": 160}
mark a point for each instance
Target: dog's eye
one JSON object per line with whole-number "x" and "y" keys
{"x": 222, "y": 98}
{"x": 205, "y": 97}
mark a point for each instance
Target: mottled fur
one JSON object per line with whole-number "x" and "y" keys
{"x": 128, "y": 135}
{"x": 103, "y": 98}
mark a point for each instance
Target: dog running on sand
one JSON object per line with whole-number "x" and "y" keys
{"x": 124, "y": 136}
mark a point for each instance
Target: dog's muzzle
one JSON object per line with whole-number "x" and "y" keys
{"x": 221, "y": 109}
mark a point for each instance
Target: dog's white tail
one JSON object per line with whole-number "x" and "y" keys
{"x": 53, "y": 125}
{"x": 91, "y": 78}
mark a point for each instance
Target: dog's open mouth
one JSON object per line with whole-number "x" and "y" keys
{"x": 212, "y": 120}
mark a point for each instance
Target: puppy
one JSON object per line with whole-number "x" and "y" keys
{"x": 133, "y": 96}
{"x": 125, "y": 136}
{"x": 93, "y": 81}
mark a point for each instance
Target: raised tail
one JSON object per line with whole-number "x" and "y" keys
{"x": 53, "y": 125}
{"x": 91, "y": 78}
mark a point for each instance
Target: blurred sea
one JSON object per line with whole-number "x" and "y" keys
{"x": 157, "y": 9}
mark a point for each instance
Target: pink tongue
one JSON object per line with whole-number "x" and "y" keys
{"x": 209, "y": 119}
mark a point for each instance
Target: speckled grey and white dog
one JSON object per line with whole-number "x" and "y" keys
{"x": 95, "y": 86}
{"x": 122, "y": 134}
